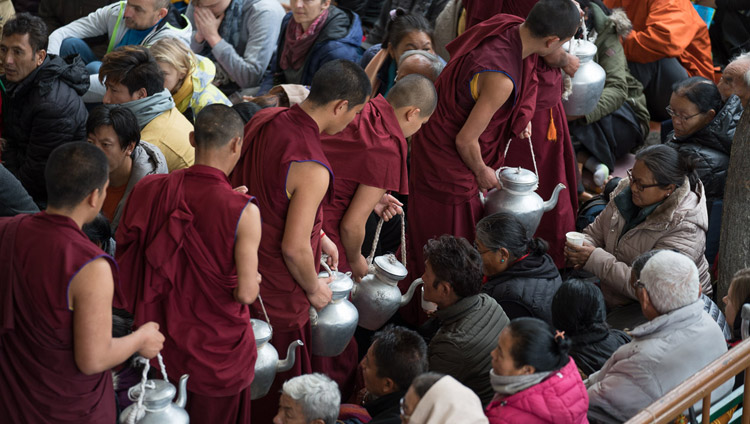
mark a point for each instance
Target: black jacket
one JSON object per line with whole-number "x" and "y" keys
{"x": 592, "y": 350}
{"x": 710, "y": 147}
{"x": 526, "y": 288}
{"x": 386, "y": 409}
{"x": 40, "y": 113}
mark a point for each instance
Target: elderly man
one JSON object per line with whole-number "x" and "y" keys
{"x": 470, "y": 322}
{"x": 309, "y": 399}
{"x": 679, "y": 340}
{"x": 736, "y": 79}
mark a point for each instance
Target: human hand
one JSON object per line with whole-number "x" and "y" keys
{"x": 152, "y": 341}
{"x": 388, "y": 207}
{"x": 241, "y": 189}
{"x": 207, "y": 25}
{"x": 577, "y": 255}
{"x": 572, "y": 65}
{"x": 486, "y": 179}
{"x": 359, "y": 267}
{"x": 330, "y": 249}
{"x": 526, "y": 133}
{"x": 322, "y": 294}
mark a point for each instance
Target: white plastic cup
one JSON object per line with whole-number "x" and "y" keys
{"x": 575, "y": 238}
{"x": 428, "y": 306}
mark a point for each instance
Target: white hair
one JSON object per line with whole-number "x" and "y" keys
{"x": 317, "y": 394}
{"x": 436, "y": 65}
{"x": 743, "y": 57}
{"x": 671, "y": 280}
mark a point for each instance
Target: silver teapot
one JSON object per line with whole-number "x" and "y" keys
{"x": 377, "y": 297}
{"x": 157, "y": 402}
{"x": 333, "y": 327}
{"x": 588, "y": 81}
{"x": 518, "y": 197}
{"x": 268, "y": 364}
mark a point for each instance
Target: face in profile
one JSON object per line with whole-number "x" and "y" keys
{"x": 18, "y": 57}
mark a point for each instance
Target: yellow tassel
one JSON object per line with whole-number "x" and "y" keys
{"x": 552, "y": 131}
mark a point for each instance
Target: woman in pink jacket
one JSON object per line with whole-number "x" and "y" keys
{"x": 534, "y": 379}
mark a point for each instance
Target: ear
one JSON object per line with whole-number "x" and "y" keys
{"x": 413, "y": 114}
{"x": 236, "y": 144}
{"x": 326, "y": 4}
{"x": 141, "y": 93}
{"x": 445, "y": 289}
{"x": 549, "y": 41}
{"x": 389, "y": 386}
{"x": 712, "y": 113}
{"x": 341, "y": 106}
{"x": 131, "y": 147}
{"x": 163, "y": 12}
{"x": 40, "y": 56}
{"x": 192, "y": 138}
{"x": 527, "y": 370}
{"x": 504, "y": 254}
{"x": 93, "y": 197}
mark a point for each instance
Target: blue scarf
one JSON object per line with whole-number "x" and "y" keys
{"x": 230, "y": 27}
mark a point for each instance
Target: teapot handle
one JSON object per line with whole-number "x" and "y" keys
{"x": 325, "y": 266}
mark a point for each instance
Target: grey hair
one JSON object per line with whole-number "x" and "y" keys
{"x": 671, "y": 280}
{"x": 436, "y": 65}
{"x": 317, "y": 394}
{"x": 745, "y": 56}
{"x": 425, "y": 381}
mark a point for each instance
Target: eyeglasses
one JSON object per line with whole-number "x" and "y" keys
{"x": 638, "y": 285}
{"x": 482, "y": 252}
{"x": 638, "y": 184}
{"x": 680, "y": 117}
{"x": 402, "y": 411}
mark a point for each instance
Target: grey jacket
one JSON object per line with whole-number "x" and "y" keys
{"x": 664, "y": 352}
{"x": 147, "y": 160}
{"x": 14, "y": 199}
{"x": 246, "y": 62}
{"x": 680, "y": 223}
{"x": 468, "y": 333}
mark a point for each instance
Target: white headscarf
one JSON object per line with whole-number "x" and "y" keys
{"x": 449, "y": 401}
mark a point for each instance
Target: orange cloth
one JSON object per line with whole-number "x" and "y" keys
{"x": 114, "y": 195}
{"x": 667, "y": 28}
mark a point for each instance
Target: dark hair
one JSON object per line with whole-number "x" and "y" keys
{"x": 72, "y": 172}
{"x": 216, "y": 125}
{"x": 559, "y": 18}
{"x": 25, "y": 23}
{"x": 402, "y": 25}
{"x": 455, "y": 261}
{"x": 414, "y": 90}
{"x": 134, "y": 67}
{"x": 247, "y": 110}
{"x": 121, "y": 119}
{"x": 99, "y": 232}
{"x": 339, "y": 80}
{"x": 424, "y": 382}
{"x": 535, "y": 344}
{"x": 400, "y": 354}
{"x": 503, "y": 230}
{"x": 640, "y": 262}
{"x": 668, "y": 165}
{"x": 701, "y": 92}
{"x": 578, "y": 308}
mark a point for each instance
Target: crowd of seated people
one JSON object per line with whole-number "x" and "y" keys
{"x": 171, "y": 169}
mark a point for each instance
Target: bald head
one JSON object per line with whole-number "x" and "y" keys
{"x": 414, "y": 91}
{"x": 419, "y": 62}
{"x": 735, "y": 79}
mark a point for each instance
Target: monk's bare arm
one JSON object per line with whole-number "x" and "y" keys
{"x": 95, "y": 350}
{"x": 564, "y": 60}
{"x": 352, "y": 228}
{"x": 246, "y": 255}
{"x": 494, "y": 90}
{"x": 307, "y": 183}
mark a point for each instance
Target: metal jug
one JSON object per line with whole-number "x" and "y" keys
{"x": 588, "y": 81}
{"x": 268, "y": 363}
{"x": 377, "y": 297}
{"x": 518, "y": 197}
{"x": 333, "y": 327}
{"x": 157, "y": 402}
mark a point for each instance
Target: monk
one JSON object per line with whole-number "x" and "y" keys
{"x": 187, "y": 246}
{"x": 284, "y": 165}
{"x": 56, "y": 290}
{"x": 481, "y": 105}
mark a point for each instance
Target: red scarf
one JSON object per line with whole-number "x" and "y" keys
{"x": 298, "y": 42}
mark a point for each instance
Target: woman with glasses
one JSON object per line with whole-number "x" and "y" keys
{"x": 661, "y": 205}
{"x": 704, "y": 127}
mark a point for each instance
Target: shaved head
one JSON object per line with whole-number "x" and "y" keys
{"x": 414, "y": 90}
{"x": 419, "y": 62}
{"x": 216, "y": 125}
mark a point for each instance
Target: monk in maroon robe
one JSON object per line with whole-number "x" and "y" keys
{"x": 284, "y": 165}
{"x": 187, "y": 245}
{"x": 481, "y": 105}
{"x": 56, "y": 289}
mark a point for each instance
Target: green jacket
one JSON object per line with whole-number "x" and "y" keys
{"x": 620, "y": 85}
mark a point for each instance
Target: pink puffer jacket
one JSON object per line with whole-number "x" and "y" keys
{"x": 560, "y": 399}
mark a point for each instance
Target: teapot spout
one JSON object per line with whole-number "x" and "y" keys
{"x": 552, "y": 202}
{"x": 406, "y": 298}
{"x": 182, "y": 392}
{"x": 291, "y": 357}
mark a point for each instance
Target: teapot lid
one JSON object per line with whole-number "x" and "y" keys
{"x": 518, "y": 175}
{"x": 342, "y": 283}
{"x": 581, "y": 48}
{"x": 262, "y": 330}
{"x": 157, "y": 391}
{"x": 390, "y": 266}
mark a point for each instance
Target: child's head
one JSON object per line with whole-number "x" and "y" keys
{"x": 738, "y": 295}
{"x": 175, "y": 60}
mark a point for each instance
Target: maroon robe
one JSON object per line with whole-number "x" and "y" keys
{"x": 444, "y": 193}
{"x": 274, "y": 139}
{"x": 175, "y": 244}
{"x": 40, "y": 381}
{"x": 372, "y": 151}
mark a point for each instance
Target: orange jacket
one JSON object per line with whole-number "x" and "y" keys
{"x": 667, "y": 28}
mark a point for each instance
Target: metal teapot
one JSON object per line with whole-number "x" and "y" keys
{"x": 333, "y": 327}
{"x": 157, "y": 403}
{"x": 518, "y": 197}
{"x": 588, "y": 81}
{"x": 268, "y": 364}
{"x": 377, "y": 297}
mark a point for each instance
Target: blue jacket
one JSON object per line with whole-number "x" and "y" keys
{"x": 340, "y": 38}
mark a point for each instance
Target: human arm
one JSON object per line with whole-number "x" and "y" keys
{"x": 95, "y": 24}
{"x": 622, "y": 388}
{"x": 494, "y": 90}
{"x": 388, "y": 207}
{"x": 352, "y": 227}
{"x": 306, "y": 183}
{"x": 667, "y": 33}
{"x": 246, "y": 255}
{"x": 95, "y": 350}
{"x": 611, "y": 58}
{"x": 562, "y": 59}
